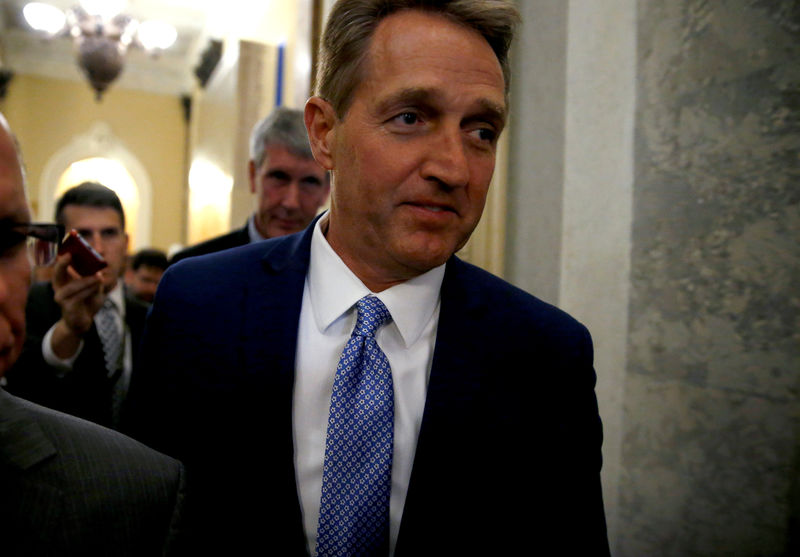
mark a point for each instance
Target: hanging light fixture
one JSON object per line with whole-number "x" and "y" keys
{"x": 101, "y": 34}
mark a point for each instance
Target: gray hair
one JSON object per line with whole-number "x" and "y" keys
{"x": 352, "y": 23}
{"x": 284, "y": 126}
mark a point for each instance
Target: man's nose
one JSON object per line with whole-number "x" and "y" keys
{"x": 447, "y": 159}
{"x": 95, "y": 240}
{"x": 291, "y": 198}
{"x": 4, "y": 288}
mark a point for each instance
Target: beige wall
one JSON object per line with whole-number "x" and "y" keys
{"x": 47, "y": 113}
{"x": 571, "y": 186}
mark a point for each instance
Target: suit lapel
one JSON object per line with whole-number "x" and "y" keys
{"x": 135, "y": 316}
{"x": 24, "y": 444}
{"x": 454, "y": 389}
{"x": 29, "y": 507}
{"x": 272, "y": 307}
{"x": 271, "y": 315}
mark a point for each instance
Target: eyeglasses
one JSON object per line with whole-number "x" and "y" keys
{"x": 41, "y": 240}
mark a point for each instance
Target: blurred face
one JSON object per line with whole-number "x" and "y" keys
{"x": 145, "y": 281}
{"x": 414, "y": 154}
{"x": 102, "y": 228}
{"x": 15, "y": 269}
{"x": 290, "y": 191}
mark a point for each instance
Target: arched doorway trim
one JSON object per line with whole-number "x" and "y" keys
{"x": 99, "y": 141}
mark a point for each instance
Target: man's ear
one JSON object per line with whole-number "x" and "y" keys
{"x": 251, "y": 175}
{"x": 320, "y": 119}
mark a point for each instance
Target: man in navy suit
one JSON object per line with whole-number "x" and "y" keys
{"x": 496, "y": 433}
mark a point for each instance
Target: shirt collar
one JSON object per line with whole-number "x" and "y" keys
{"x": 252, "y": 231}
{"x": 117, "y": 296}
{"x": 334, "y": 289}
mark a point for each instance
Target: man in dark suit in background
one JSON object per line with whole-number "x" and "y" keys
{"x": 69, "y": 487}
{"x": 144, "y": 272}
{"x": 459, "y": 418}
{"x": 83, "y": 331}
{"x": 290, "y": 186}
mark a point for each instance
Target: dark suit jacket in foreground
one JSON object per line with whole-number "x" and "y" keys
{"x": 72, "y": 488}
{"x": 234, "y": 239}
{"x": 86, "y": 390}
{"x": 508, "y": 458}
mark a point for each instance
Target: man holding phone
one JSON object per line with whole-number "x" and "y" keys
{"x": 79, "y": 353}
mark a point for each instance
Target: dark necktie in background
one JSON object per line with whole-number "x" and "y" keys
{"x": 113, "y": 346}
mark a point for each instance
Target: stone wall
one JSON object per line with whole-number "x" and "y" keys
{"x": 712, "y": 396}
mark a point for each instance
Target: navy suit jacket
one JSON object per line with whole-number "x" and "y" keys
{"x": 508, "y": 457}
{"x": 70, "y": 487}
{"x": 233, "y": 239}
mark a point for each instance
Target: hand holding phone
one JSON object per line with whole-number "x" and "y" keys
{"x": 85, "y": 260}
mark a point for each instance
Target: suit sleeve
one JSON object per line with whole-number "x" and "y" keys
{"x": 176, "y": 537}
{"x": 146, "y": 408}
{"x": 587, "y": 432}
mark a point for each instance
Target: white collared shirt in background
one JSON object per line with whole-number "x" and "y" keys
{"x": 117, "y": 296}
{"x": 327, "y": 319}
{"x": 252, "y": 231}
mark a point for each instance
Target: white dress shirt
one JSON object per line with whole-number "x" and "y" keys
{"x": 327, "y": 319}
{"x": 117, "y": 296}
{"x": 252, "y": 231}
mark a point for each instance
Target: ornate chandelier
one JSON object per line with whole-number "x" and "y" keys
{"x": 101, "y": 34}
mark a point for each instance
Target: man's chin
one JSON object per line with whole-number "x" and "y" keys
{"x": 108, "y": 284}
{"x": 283, "y": 228}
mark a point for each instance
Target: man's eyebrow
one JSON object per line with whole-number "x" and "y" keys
{"x": 492, "y": 110}
{"x": 8, "y": 222}
{"x": 486, "y": 108}
{"x": 409, "y": 95}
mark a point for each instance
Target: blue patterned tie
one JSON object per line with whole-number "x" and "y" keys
{"x": 357, "y": 472}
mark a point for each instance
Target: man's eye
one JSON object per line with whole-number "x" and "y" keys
{"x": 487, "y": 135}
{"x": 277, "y": 177}
{"x": 407, "y": 118}
{"x": 310, "y": 184}
{"x": 10, "y": 243}
{"x": 110, "y": 233}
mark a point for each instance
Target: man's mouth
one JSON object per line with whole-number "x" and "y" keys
{"x": 288, "y": 223}
{"x": 432, "y": 207}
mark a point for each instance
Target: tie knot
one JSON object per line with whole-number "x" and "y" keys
{"x": 371, "y": 315}
{"x": 108, "y": 305}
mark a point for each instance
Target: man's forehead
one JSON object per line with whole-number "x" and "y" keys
{"x": 278, "y": 151}
{"x": 149, "y": 269}
{"x": 90, "y": 216}
{"x": 13, "y": 204}
{"x": 407, "y": 44}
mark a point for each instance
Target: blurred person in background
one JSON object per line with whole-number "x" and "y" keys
{"x": 289, "y": 185}
{"x": 82, "y": 331}
{"x": 143, "y": 273}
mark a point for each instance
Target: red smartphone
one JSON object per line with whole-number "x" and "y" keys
{"x": 85, "y": 260}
